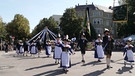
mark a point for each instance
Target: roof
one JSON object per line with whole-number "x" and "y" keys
{"x": 94, "y": 7}
{"x": 105, "y": 9}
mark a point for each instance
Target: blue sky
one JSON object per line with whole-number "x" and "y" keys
{"x": 35, "y": 10}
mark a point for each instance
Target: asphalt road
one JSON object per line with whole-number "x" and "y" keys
{"x": 13, "y": 65}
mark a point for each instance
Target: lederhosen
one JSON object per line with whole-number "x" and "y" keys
{"x": 108, "y": 45}
{"x": 82, "y": 43}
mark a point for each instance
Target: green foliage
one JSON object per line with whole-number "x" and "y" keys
{"x": 18, "y": 27}
{"x": 70, "y": 23}
{"x": 126, "y": 29}
{"x": 121, "y": 29}
{"x": 3, "y": 31}
{"x": 50, "y": 23}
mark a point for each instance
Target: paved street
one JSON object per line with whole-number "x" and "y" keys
{"x": 12, "y": 65}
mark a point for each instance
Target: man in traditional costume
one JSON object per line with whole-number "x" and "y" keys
{"x": 73, "y": 44}
{"x": 82, "y": 43}
{"x": 39, "y": 46}
{"x": 26, "y": 47}
{"x": 108, "y": 46}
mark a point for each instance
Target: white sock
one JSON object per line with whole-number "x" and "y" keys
{"x": 131, "y": 64}
{"x": 108, "y": 61}
{"x": 82, "y": 57}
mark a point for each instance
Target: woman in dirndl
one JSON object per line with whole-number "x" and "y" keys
{"x": 128, "y": 53}
{"x": 57, "y": 49}
{"x": 65, "y": 56}
{"x": 19, "y": 47}
{"x": 33, "y": 48}
{"x": 99, "y": 53}
{"x": 48, "y": 48}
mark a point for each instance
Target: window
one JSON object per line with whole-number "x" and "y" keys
{"x": 96, "y": 13}
{"x": 107, "y": 22}
{"x": 97, "y": 21}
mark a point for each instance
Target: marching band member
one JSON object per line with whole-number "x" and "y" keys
{"x": 128, "y": 53}
{"x": 99, "y": 53}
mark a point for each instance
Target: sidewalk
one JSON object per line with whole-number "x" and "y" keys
{"x": 11, "y": 65}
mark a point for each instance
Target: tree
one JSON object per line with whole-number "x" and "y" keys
{"x": 3, "y": 32}
{"x": 18, "y": 27}
{"x": 50, "y": 23}
{"x": 70, "y": 23}
{"x": 131, "y": 16}
{"x": 126, "y": 29}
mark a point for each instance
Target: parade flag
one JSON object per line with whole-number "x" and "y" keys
{"x": 87, "y": 21}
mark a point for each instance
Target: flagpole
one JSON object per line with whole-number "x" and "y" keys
{"x": 113, "y": 3}
{"x": 112, "y": 16}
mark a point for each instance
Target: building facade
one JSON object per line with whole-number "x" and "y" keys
{"x": 100, "y": 17}
{"x": 57, "y": 18}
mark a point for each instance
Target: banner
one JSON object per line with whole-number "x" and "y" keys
{"x": 120, "y": 13}
{"x": 87, "y": 21}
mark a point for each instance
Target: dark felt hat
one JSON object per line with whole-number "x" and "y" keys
{"x": 58, "y": 36}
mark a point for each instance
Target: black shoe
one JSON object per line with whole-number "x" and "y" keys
{"x": 99, "y": 60}
{"x": 65, "y": 70}
{"x": 108, "y": 67}
{"x": 55, "y": 62}
{"x": 111, "y": 67}
{"x": 125, "y": 64}
{"x": 132, "y": 66}
{"x": 83, "y": 61}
